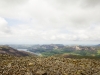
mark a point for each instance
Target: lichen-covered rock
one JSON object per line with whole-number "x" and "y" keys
{"x": 48, "y": 66}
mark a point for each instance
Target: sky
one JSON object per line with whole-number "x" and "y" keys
{"x": 49, "y": 21}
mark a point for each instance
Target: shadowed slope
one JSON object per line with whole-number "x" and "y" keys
{"x": 12, "y": 51}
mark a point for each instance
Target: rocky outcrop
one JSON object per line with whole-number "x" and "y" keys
{"x": 82, "y": 48}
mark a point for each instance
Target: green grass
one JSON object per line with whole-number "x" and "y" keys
{"x": 76, "y": 52}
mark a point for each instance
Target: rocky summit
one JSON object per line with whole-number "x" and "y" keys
{"x": 12, "y": 65}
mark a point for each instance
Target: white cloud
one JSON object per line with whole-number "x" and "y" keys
{"x": 3, "y": 26}
{"x": 50, "y": 20}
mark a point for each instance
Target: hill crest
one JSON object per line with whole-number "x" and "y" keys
{"x": 11, "y": 51}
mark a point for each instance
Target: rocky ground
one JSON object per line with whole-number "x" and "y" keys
{"x": 11, "y": 65}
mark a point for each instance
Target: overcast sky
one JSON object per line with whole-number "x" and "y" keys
{"x": 49, "y": 21}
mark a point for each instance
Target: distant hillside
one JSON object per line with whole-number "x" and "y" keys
{"x": 11, "y": 51}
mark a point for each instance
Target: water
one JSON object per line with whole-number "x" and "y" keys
{"x": 22, "y": 50}
{"x": 26, "y": 50}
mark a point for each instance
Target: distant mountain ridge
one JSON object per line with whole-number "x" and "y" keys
{"x": 11, "y": 51}
{"x": 37, "y": 48}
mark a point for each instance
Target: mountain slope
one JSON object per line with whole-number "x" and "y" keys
{"x": 11, "y": 51}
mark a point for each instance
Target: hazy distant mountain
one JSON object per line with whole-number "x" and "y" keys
{"x": 98, "y": 45}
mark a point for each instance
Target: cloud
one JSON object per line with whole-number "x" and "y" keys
{"x": 50, "y": 20}
{"x": 13, "y": 2}
{"x": 3, "y": 26}
{"x": 91, "y": 3}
